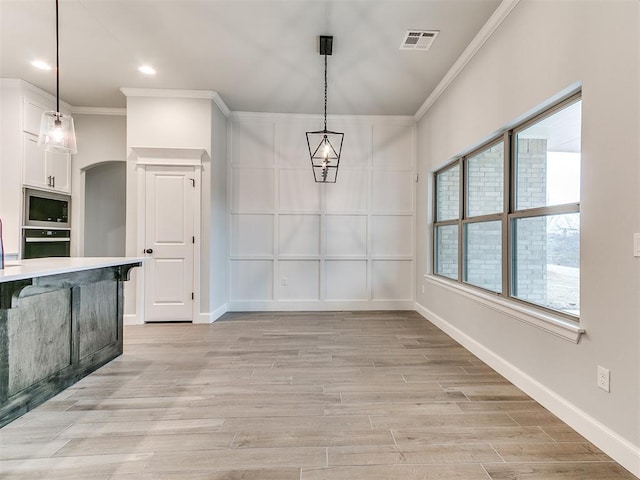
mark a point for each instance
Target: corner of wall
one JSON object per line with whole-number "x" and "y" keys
{"x": 210, "y": 317}
{"x": 132, "y": 319}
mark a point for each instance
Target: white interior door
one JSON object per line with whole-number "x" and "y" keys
{"x": 169, "y": 234}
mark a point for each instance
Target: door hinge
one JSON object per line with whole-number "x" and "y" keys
{"x": 193, "y": 296}
{"x": 193, "y": 239}
{"x": 193, "y": 182}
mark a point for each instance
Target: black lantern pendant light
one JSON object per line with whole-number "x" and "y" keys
{"x": 325, "y": 146}
{"x": 56, "y": 129}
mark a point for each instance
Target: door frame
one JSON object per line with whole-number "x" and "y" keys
{"x": 175, "y": 157}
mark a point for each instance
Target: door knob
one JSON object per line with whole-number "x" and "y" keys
{"x": 149, "y": 250}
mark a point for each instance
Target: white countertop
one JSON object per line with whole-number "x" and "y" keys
{"x": 41, "y": 267}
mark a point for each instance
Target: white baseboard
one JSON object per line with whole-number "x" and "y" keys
{"x": 621, "y": 450}
{"x": 315, "y": 306}
{"x": 218, "y": 312}
{"x": 212, "y": 316}
{"x": 131, "y": 319}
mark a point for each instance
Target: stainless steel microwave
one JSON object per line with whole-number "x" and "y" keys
{"x": 46, "y": 209}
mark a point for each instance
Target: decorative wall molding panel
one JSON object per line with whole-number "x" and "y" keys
{"x": 298, "y": 245}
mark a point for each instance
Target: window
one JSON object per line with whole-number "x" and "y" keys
{"x": 482, "y": 223}
{"x": 517, "y": 233}
{"x": 447, "y": 214}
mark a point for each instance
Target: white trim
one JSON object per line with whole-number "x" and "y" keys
{"x": 619, "y": 448}
{"x": 218, "y": 312}
{"x": 389, "y": 119}
{"x": 78, "y": 212}
{"x": 132, "y": 319}
{"x": 557, "y": 326}
{"x": 174, "y": 93}
{"x": 496, "y": 19}
{"x": 140, "y": 239}
{"x": 187, "y": 157}
{"x": 169, "y": 162}
{"x": 197, "y": 246}
{"x": 99, "y": 111}
{"x": 318, "y": 305}
{"x": 32, "y": 91}
{"x": 217, "y": 99}
{"x": 167, "y": 93}
{"x": 229, "y": 212}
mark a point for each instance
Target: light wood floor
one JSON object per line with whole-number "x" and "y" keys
{"x": 332, "y": 396}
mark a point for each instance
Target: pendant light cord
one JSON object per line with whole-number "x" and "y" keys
{"x": 57, "y": 65}
{"x": 325, "y": 92}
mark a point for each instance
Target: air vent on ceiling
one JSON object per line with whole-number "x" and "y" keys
{"x": 418, "y": 40}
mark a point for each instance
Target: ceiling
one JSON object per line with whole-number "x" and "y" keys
{"x": 259, "y": 55}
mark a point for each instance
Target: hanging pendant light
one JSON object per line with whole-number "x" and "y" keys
{"x": 324, "y": 145}
{"x": 56, "y": 129}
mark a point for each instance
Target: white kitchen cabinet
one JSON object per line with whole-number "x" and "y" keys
{"x": 46, "y": 170}
{"x": 32, "y": 115}
{"x": 21, "y": 161}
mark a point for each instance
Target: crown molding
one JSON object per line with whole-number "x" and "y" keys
{"x": 217, "y": 99}
{"x": 171, "y": 93}
{"x": 166, "y": 93}
{"x": 402, "y": 119}
{"x": 98, "y": 111}
{"x": 36, "y": 92}
{"x": 43, "y": 94}
{"x": 496, "y": 19}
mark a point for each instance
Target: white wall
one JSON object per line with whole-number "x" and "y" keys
{"x": 295, "y": 244}
{"x": 216, "y": 236}
{"x": 100, "y": 138}
{"x": 542, "y": 48}
{"x": 172, "y": 119}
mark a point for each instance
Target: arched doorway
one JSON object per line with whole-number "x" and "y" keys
{"x": 104, "y": 210}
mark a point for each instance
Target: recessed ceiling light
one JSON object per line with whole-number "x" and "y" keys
{"x": 41, "y": 64}
{"x": 147, "y": 69}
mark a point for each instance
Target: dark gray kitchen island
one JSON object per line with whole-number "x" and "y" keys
{"x": 60, "y": 319}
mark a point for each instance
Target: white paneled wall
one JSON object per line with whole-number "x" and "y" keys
{"x": 296, "y": 244}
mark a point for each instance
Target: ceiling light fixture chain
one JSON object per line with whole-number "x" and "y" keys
{"x": 57, "y": 62}
{"x": 325, "y": 157}
{"x": 56, "y": 129}
{"x": 325, "y": 92}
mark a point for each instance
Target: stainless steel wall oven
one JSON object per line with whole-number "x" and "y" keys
{"x": 42, "y": 242}
{"x": 46, "y": 224}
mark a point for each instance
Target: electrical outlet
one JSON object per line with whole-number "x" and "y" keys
{"x": 284, "y": 281}
{"x": 604, "y": 379}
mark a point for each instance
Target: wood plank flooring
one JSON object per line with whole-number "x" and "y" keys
{"x": 297, "y": 396}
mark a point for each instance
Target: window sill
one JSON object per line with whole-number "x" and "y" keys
{"x": 557, "y": 326}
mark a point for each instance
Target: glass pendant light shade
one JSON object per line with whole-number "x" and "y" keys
{"x": 56, "y": 129}
{"x": 57, "y": 133}
{"x": 324, "y": 149}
